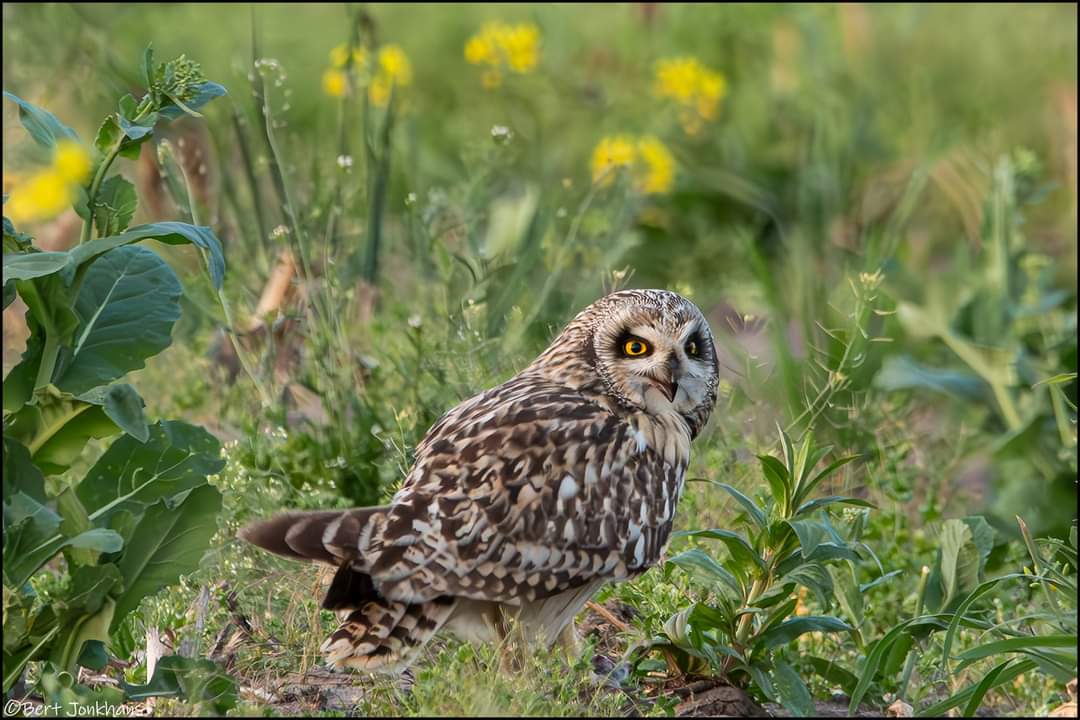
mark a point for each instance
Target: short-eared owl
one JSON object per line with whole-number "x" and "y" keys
{"x": 526, "y": 498}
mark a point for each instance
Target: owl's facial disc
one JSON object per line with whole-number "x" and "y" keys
{"x": 658, "y": 367}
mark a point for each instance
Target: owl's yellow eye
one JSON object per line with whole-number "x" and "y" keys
{"x": 692, "y": 348}
{"x": 635, "y": 348}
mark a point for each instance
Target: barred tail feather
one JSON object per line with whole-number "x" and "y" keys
{"x": 384, "y": 636}
{"x": 328, "y": 536}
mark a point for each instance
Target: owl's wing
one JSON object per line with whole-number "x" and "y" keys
{"x": 522, "y": 493}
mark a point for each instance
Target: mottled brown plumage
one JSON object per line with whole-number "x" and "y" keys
{"x": 526, "y": 498}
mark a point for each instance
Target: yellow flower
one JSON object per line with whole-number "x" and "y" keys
{"x": 339, "y": 56}
{"x": 335, "y": 82}
{"x": 657, "y": 174}
{"x": 697, "y": 89}
{"x": 71, "y": 161}
{"x": 44, "y": 195}
{"x": 521, "y": 44}
{"x": 650, "y": 163}
{"x": 610, "y": 155}
{"x": 395, "y": 65}
{"x": 500, "y": 45}
{"x": 480, "y": 50}
{"x": 677, "y": 78}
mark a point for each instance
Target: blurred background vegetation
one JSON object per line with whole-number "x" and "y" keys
{"x": 878, "y": 216}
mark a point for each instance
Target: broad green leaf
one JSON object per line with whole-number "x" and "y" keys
{"x": 20, "y": 474}
{"x": 204, "y": 93}
{"x": 114, "y": 206}
{"x": 121, "y": 404}
{"x": 25, "y": 266}
{"x": 133, "y": 476}
{"x": 792, "y": 691}
{"x": 197, "y": 681}
{"x": 57, "y": 428}
{"x": 42, "y": 125}
{"x": 788, "y": 630}
{"x": 29, "y": 529}
{"x": 168, "y": 542}
{"x": 131, "y": 287}
{"x": 811, "y": 534}
{"x": 170, "y": 233}
{"x": 815, "y": 577}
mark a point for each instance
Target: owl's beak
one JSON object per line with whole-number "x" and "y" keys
{"x": 670, "y": 382}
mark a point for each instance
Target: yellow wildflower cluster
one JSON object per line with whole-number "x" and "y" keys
{"x": 695, "y": 88}
{"x": 392, "y": 70}
{"x": 500, "y": 46}
{"x": 648, "y": 161}
{"x": 49, "y": 192}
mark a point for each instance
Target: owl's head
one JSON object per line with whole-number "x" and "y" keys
{"x": 652, "y": 349}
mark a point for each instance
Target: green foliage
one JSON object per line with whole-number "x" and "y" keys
{"x": 790, "y": 543}
{"x": 144, "y": 513}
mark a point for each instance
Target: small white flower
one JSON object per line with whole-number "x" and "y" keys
{"x": 344, "y": 162}
{"x": 501, "y": 134}
{"x": 414, "y": 321}
{"x": 279, "y": 232}
{"x": 410, "y": 199}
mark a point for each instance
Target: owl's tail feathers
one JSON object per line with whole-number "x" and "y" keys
{"x": 327, "y": 535}
{"x": 384, "y": 636}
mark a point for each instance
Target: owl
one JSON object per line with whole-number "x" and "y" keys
{"x": 527, "y": 498}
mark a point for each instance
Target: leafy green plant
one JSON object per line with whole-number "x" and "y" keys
{"x": 1000, "y": 333}
{"x": 143, "y": 513}
{"x": 784, "y": 543}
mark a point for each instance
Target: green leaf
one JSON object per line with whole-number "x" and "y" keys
{"x": 874, "y": 658}
{"x": 741, "y": 551}
{"x": 93, "y": 655}
{"x": 170, "y": 233}
{"x": 806, "y": 488}
{"x": 904, "y": 373}
{"x": 811, "y": 534}
{"x": 130, "y": 287}
{"x": 961, "y": 561}
{"x": 705, "y": 569}
{"x": 20, "y": 474}
{"x": 1007, "y": 675}
{"x": 56, "y": 429}
{"x": 756, "y": 514}
{"x": 133, "y": 476}
{"x": 42, "y": 125}
{"x": 204, "y": 93}
{"x": 792, "y": 691}
{"x": 788, "y": 630}
{"x": 849, "y": 593}
{"x": 809, "y": 507}
{"x": 833, "y": 673}
{"x": 26, "y": 266}
{"x": 815, "y": 577}
{"x": 779, "y": 480}
{"x": 121, "y": 404}
{"x": 197, "y": 681}
{"x": 114, "y": 206}
{"x": 168, "y": 542}
{"x": 1019, "y": 643}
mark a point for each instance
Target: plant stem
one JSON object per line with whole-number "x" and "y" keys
{"x": 95, "y": 186}
{"x": 909, "y": 663}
